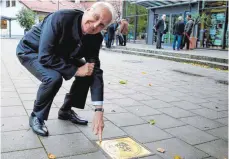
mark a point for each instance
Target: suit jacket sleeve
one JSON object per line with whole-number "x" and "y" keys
{"x": 158, "y": 24}
{"x": 97, "y": 85}
{"x": 49, "y": 38}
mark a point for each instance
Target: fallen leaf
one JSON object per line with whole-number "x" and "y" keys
{"x": 51, "y": 156}
{"x": 150, "y": 84}
{"x": 112, "y": 110}
{"x": 122, "y": 82}
{"x": 161, "y": 150}
{"x": 143, "y": 73}
{"x": 177, "y": 157}
{"x": 152, "y": 122}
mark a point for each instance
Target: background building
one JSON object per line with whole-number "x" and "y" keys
{"x": 10, "y": 8}
{"x": 211, "y": 30}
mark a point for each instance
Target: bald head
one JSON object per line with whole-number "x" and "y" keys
{"x": 97, "y": 17}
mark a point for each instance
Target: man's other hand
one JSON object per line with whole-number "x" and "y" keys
{"x": 98, "y": 124}
{"x": 85, "y": 70}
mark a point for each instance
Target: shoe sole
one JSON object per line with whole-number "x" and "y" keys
{"x": 64, "y": 118}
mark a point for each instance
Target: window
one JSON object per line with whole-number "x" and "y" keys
{"x": 13, "y": 4}
{"x": 7, "y": 3}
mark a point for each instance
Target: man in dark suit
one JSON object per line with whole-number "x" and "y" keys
{"x": 53, "y": 50}
{"x": 111, "y": 33}
{"x": 160, "y": 28}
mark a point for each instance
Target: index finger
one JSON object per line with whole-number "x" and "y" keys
{"x": 100, "y": 134}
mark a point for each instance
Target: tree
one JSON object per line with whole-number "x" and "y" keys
{"x": 117, "y": 4}
{"x": 26, "y": 18}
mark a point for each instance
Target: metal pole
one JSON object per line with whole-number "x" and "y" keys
{"x": 10, "y": 28}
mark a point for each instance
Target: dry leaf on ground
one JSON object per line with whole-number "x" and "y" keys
{"x": 123, "y": 82}
{"x": 177, "y": 157}
{"x": 152, "y": 122}
{"x": 51, "y": 156}
{"x": 161, "y": 150}
{"x": 143, "y": 73}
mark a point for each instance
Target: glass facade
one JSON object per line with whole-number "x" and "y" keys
{"x": 138, "y": 19}
{"x": 213, "y": 27}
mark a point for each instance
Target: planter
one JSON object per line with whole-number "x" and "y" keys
{"x": 193, "y": 41}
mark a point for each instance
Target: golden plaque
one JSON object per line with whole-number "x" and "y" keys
{"x": 123, "y": 148}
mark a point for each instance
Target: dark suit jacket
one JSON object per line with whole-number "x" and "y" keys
{"x": 160, "y": 26}
{"x": 178, "y": 28}
{"x": 59, "y": 42}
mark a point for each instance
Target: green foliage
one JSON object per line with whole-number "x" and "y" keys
{"x": 26, "y": 18}
{"x": 142, "y": 12}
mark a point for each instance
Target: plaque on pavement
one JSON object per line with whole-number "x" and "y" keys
{"x": 123, "y": 148}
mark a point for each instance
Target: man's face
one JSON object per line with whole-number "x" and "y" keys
{"x": 95, "y": 20}
{"x": 187, "y": 17}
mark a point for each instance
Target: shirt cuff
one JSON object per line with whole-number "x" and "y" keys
{"x": 95, "y": 103}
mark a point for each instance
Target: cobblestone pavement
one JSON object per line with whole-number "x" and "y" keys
{"x": 188, "y": 103}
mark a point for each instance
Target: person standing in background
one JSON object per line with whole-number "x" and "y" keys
{"x": 160, "y": 28}
{"x": 178, "y": 29}
{"x": 188, "y": 31}
{"x": 124, "y": 30}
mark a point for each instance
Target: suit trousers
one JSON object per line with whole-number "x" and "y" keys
{"x": 159, "y": 36}
{"x": 51, "y": 82}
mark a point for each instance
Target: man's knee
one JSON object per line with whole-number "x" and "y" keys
{"x": 54, "y": 80}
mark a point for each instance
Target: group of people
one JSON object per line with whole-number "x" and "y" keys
{"x": 181, "y": 32}
{"x": 118, "y": 30}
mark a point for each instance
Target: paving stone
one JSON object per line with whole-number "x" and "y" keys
{"x": 114, "y": 95}
{"x": 26, "y": 154}
{"x": 27, "y": 90}
{"x": 15, "y": 140}
{"x": 152, "y": 157}
{"x": 95, "y": 155}
{"x": 113, "y": 108}
{"x": 215, "y": 106}
{"x": 110, "y": 131}
{"x": 167, "y": 98}
{"x": 15, "y": 123}
{"x": 156, "y": 104}
{"x": 201, "y": 122}
{"x": 8, "y": 88}
{"x": 124, "y": 119}
{"x": 125, "y": 91}
{"x": 208, "y": 113}
{"x": 126, "y": 102}
{"x": 13, "y": 111}
{"x": 186, "y": 105}
{"x": 210, "y": 158}
{"x": 223, "y": 121}
{"x": 174, "y": 147}
{"x": 176, "y": 112}
{"x": 59, "y": 98}
{"x": 151, "y": 133}
{"x": 142, "y": 110}
{"x": 88, "y": 115}
{"x": 152, "y": 92}
{"x": 220, "y": 132}
{"x": 29, "y": 97}
{"x": 193, "y": 99}
{"x": 57, "y": 127}
{"x": 164, "y": 121}
{"x": 11, "y": 102}
{"x": 217, "y": 148}
{"x": 68, "y": 145}
{"x": 191, "y": 135}
{"x": 140, "y": 96}
{"x": 140, "y": 88}
{"x": 9, "y": 95}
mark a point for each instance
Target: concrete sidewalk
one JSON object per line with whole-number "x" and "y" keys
{"x": 189, "y": 105}
{"x": 201, "y": 52}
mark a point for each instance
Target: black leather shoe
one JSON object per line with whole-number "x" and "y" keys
{"x": 38, "y": 126}
{"x": 71, "y": 116}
